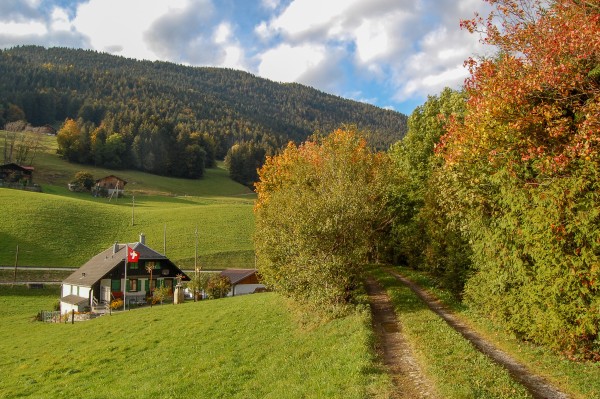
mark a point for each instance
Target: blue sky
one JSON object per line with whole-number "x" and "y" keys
{"x": 390, "y": 53}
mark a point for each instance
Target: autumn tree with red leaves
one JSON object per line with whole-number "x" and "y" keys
{"x": 522, "y": 172}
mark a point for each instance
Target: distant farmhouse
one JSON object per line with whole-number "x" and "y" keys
{"x": 110, "y": 185}
{"x": 13, "y": 175}
{"x": 100, "y": 280}
{"x": 243, "y": 281}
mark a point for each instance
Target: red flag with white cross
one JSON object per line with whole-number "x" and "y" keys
{"x": 132, "y": 255}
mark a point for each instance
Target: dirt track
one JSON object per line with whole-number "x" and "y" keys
{"x": 393, "y": 348}
{"x": 537, "y": 386}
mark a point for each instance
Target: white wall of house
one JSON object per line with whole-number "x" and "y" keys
{"x": 243, "y": 289}
{"x": 84, "y": 292}
{"x": 71, "y": 289}
{"x": 67, "y": 307}
{"x": 66, "y": 290}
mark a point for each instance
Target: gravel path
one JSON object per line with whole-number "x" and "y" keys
{"x": 393, "y": 349}
{"x": 537, "y": 386}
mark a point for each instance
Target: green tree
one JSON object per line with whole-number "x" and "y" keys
{"x": 243, "y": 161}
{"x": 321, "y": 208}
{"x": 198, "y": 283}
{"x": 423, "y": 236}
{"x": 113, "y": 151}
{"x": 14, "y": 113}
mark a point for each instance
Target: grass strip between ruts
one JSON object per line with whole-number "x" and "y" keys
{"x": 451, "y": 363}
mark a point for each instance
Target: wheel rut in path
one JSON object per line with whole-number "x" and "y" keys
{"x": 393, "y": 348}
{"x": 536, "y": 385}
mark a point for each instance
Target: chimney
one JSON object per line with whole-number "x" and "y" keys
{"x": 116, "y": 247}
{"x": 142, "y": 239}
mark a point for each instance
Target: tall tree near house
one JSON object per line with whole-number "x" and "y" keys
{"x": 150, "y": 269}
{"x": 523, "y": 167}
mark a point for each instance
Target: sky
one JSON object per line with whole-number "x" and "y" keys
{"x": 389, "y": 53}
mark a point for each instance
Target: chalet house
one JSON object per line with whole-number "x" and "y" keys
{"x": 102, "y": 278}
{"x": 13, "y": 173}
{"x": 243, "y": 281}
{"x": 112, "y": 184}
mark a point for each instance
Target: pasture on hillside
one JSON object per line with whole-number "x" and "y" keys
{"x": 63, "y": 228}
{"x": 240, "y": 347}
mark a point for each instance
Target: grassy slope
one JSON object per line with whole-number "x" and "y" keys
{"x": 242, "y": 347}
{"x": 61, "y": 228}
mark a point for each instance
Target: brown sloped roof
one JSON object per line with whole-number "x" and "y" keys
{"x": 109, "y": 176}
{"x": 97, "y": 267}
{"x": 14, "y": 166}
{"x": 237, "y": 275}
{"x": 74, "y": 300}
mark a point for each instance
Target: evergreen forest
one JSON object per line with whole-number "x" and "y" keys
{"x": 171, "y": 119}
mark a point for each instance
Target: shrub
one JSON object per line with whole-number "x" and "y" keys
{"x": 116, "y": 304}
{"x": 83, "y": 181}
{"x": 218, "y": 286}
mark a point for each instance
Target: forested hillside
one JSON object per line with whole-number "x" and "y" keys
{"x": 161, "y": 110}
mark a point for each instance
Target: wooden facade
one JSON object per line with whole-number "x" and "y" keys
{"x": 13, "y": 173}
{"x": 111, "y": 184}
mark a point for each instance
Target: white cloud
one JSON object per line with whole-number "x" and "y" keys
{"x": 287, "y": 64}
{"x": 234, "y": 56}
{"x": 222, "y": 33}
{"x": 269, "y": 4}
{"x": 111, "y": 24}
{"x": 24, "y": 28}
{"x": 60, "y": 20}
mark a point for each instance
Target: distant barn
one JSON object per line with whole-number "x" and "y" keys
{"x": 111, "y": 185}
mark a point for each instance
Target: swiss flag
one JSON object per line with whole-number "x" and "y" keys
{"x": 132, "y": 256}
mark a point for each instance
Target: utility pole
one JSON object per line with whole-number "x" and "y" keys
{"x": 196, "y": 251}
{"x": 133, "y": 210}
{"x": 16, "y": 262}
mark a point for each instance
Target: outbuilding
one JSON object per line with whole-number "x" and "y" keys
{"x": 243, "y": 281}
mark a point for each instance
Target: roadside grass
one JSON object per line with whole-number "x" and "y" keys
{"x": 25, "y": 274}
{"x": 581, "y": 380}
{"x": 452, "y": 364}
{"x": 54, "y": 230}
{"x": 241, "y": 347}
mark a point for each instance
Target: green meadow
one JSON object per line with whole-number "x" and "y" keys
{"x": 62, "y": 228}
{"x": 240, "y": 347}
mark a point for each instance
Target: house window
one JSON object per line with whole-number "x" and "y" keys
{"x": 133, "y": 284}
{"x": 153, "y": 264}
{"x": 133, "y": 266}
